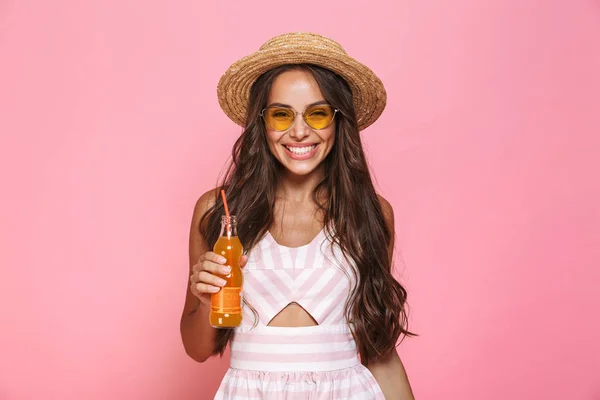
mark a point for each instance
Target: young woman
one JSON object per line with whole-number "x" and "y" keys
{"x": 322, "y": 312}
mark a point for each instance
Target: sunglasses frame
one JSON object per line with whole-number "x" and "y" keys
{"x": 335, "y": 111}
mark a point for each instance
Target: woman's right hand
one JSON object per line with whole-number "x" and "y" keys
{"x": 204, "y": 280}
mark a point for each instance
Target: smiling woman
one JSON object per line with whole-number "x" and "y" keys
{"x": 322, "y": 312}
{"x": 299, "y": 145}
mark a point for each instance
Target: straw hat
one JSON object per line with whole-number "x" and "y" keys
{"x": 368, "y": 92}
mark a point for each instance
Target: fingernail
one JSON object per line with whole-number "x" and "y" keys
{"x": 222, "y": 259}
{"x": 214, "y": 289}
{"x": 226, "y": 269}
{"x": 222, "y": 282}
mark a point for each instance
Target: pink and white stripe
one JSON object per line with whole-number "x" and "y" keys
{"x": 310, "y": 348}
{"x": 312, "y": 362}
{"x": 354, "y": 383}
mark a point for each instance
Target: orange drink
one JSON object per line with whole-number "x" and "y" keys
{"x": 226, "y": 304}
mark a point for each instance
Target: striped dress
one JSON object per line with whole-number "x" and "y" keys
{"x": 313, "y": 362}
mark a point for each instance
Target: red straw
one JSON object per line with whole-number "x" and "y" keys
{"x": 225, "y": 203}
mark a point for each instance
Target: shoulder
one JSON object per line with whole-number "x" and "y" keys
{"x": 197, "y": 242}
{"x": 388, "y": 210}
{"x": 207, "y": 200}
{"x": 204, "y": 203}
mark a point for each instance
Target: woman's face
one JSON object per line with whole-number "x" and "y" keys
{"x": 300, "y": 149}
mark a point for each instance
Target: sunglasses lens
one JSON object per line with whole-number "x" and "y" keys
{"x": 319, "y": 117}
{"x": 279, "y": 118}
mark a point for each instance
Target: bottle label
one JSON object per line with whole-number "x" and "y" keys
{"x": 227, "y": 301}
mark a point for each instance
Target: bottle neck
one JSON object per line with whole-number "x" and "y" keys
{"x": 228, "y": 226}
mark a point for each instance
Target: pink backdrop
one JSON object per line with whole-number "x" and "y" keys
{"x": 489, "y": 151}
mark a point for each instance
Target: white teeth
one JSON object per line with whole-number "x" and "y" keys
{"x": 301, "y": 150}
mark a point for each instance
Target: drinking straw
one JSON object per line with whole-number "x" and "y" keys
{"x": 228, "y": 226}
{"x": 225, "y": 203}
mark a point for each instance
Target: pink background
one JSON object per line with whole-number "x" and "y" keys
{"x": 489, "y": 152}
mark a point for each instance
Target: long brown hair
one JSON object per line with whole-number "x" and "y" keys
{"x": 376, "y": 307}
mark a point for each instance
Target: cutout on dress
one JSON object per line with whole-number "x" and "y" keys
{"x": 293, "y": 315}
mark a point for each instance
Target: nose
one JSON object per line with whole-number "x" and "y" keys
{"x": 299, "y": 129}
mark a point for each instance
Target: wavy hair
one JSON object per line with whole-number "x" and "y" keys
{"x": 353, "y": 216}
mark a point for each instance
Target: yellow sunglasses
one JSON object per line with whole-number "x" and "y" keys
{"x": 281, "y": 119}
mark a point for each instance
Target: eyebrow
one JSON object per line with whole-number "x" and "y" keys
{"x": 316, "y": 103}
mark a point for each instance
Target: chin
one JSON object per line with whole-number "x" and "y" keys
{"x": 300, "y": 171}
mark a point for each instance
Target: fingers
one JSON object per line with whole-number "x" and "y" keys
{"x": 200, "y": 289}
{"x": 212, "y": 263}
{"x": 208, "y": 284}
{"x": 204, "y": 279}
{"x": 207, "y": 274}
{"x": 204, "y": 282}
{"x": 214, "y": 257}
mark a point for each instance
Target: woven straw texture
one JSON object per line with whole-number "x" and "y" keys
{"x": 233, "y": 90}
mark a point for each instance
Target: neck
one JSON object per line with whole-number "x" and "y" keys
{"x": 299, "y": 188}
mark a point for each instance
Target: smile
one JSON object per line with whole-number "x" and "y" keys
{"x": 301, "y": 150}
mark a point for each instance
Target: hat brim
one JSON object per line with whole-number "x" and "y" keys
{"x": 368, "y": 92}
